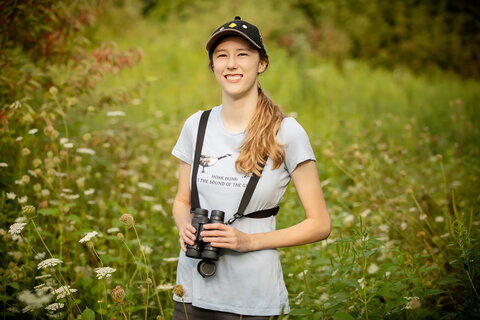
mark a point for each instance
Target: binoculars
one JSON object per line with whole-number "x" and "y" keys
{"x": 202, "y": 250}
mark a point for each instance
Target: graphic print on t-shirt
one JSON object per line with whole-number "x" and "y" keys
{"x": 209, "y": 161}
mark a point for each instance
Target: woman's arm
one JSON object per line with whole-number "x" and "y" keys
{"x": 316, "y": 225}
{"x": 181, "y": 207}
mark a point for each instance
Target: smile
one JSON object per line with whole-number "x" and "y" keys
{"x": 233, "y": 77}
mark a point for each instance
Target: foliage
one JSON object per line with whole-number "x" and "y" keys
{"x": 86, "y": 174}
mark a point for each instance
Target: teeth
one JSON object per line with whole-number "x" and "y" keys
{"x": 234, "y": 77}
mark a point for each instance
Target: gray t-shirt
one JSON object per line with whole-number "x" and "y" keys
{"x": 249, "y": 283}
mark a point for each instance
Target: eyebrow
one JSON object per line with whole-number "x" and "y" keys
{"x": 239, "y": 49}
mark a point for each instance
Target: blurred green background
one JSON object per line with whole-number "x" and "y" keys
{"x": 93, "y": 95}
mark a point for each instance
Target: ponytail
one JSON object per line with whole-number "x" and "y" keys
{"x": 260, "y": 139}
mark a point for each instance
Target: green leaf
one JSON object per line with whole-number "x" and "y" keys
{"x": 88, "y": 314}
{"x": 342, "y": 315}
{"x": 5, "y": 298}
{"x": 48, "y": 211}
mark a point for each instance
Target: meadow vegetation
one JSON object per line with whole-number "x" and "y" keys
{"x": 92, "y": 98}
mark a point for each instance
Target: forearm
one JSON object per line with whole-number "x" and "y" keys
{"x": 308, "y": 231}
{"x": 181, "y": 214}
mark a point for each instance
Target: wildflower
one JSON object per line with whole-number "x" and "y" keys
{"x": 348, "y": 219}
{"x": 3, "y": 165}
{"x": 112, "y": 230}
{"x": 165, "y": 287}
{"x": 28, "y": 211}
{"x": 43, "y": 276}
{"x": 172, "y": 259}
{"x": 403, "y": 225}
{"x": 127, "y": 220}
{"x": 439, "y": 219}
{"x": 373, "y": 268}
{"x": 54, "y": 306}
{"x": 33, "y": 131}
{"x": 178, "y": 290}
{"x": 148, "y": 281}
{"x": 387, "y": 274}
{"x": 53, "y": 91}
{"x": 365, "y": 213}
{"x": 40, "y": 255}
{"x": 145, "y": 186}
{"x": 104, "y": 272}
{"x": 33, "y": 301}
{"x": 361, "y": 281}
{"x": 146, "y": 249}
{"x": 25, "y": 151}
{"x": 89, "y": 191}
{"x": 63, "y": 291}
{"x": 45, "y": 192}
{"x": 88, "y": 236}
{"x": 69, "y": 196}
{"x": 413, "y": 303}
{"x": 118, "y": 295}
{"x": 11, "y": 195}
{"x": 115, "y": 114}
{"x": 86, "y": 151}
{"x": 16, "y": 228}
{"x": 52, "y": 262}
{"x": 147, "y": 198}
{"x": 120, "y": 236}
{"x": 68, "y": 145}
{"x": 23, "y": 199}
{"x": 13, "y": 310}
{"x": 423, "y": 217}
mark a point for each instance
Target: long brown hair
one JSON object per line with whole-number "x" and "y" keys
{"x": 260, "y": 140}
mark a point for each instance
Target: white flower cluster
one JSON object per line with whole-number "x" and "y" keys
{"x": 54, "y": 306}
{"x": 104, "y": 272}
{"x": 63, "y": 291}
{"x": 33, "y": 301}
{"x": 88, "y": 236}
{"x": 52, "y": 262}
{"x": 165, "y": 287}
{"x": 16, "y": 228}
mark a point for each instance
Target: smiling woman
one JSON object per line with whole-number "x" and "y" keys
{"x": 240, "y": 275}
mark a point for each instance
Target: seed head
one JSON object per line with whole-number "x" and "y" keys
{"x": 28, "y": 211}
{"x": 120, "y": 236}
{"x": 118, "y": 295}
{"x": 178, "y": 290}
{"x": 148, "y": 281}
{"x": 127, "y": 220}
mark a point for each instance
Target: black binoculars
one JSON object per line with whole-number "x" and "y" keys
{"x": 202, "y": 250}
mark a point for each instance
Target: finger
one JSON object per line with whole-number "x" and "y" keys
{"x": 182, "y": 244}
{"x": 217, "y": 226}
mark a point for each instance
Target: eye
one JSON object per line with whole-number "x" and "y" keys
{"x": 221, "y": 55}
{"x": 243, "y": 54}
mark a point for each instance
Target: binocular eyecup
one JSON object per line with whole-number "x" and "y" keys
{"x": 204, "y": 250}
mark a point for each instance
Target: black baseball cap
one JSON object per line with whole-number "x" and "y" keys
{"x": 238, "y": 27}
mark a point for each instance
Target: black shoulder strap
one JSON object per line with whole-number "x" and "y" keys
{"x": 202, "y": 126}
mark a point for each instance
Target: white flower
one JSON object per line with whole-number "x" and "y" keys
{"x": 86, "y": 151}
{"x": 17, "y": 227}
{"x": 113, "y": 230}
{"x": 89, "y": 191}
{"x": 348, "y": 219}
{"x": 64, "y": 291}
{"x": 172, "y": 259}
{"x": 423, "y": 217}
{"x": 365, "y": 213}
{"x": 373, "y": 268}
{"x": 361, "y": 281}
{"x": 3, "y": 165}
{"x": 147, "y": 198}
{"x": 439, "y": 219}
{"x": 52, "y": 262}
{"x": 145, "y": 186}
{"x": 104, "y": 272}
{"x": 43, "y": 276}
{"x": 165, "y": 287}
{"x": 146, "y": 249}
{"x": 403, "y": 225}
{"x": 88, "y": 236}
{"x": 33, "y": 131}
{"x": 21, "y": 219}
{"x": 32, "y": 300}
{"x": 70, "y": 196}
{"x": 387, "y": 274}
{"x": 54, "y": 306}
{"x": 11, "y": 195}
{"x": 13, "y": 309}
{"x": 115, "y": 114}
{"x": 68, "y": 145}
{"x": 45, "y": 192}
{"x": 23, "y": 199}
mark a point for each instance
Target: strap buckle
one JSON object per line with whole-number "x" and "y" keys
{"x": 235, "y": 217}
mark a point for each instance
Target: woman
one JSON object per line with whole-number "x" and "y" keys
{"x": 240, "y": 134}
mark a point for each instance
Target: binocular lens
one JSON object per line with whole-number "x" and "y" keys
{"x": 206, "y": 268}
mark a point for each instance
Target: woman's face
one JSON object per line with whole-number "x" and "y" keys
{"x": 236, "y": 65}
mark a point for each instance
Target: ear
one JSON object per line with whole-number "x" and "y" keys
{"x": 262, "y": 66}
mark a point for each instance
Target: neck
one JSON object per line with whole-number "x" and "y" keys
{"x": 237, "y": 112}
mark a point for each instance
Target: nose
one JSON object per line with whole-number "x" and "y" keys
{"x": 232, "y": 62}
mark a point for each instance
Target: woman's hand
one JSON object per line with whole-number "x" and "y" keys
{"x": 187, "y": 236}
{"x": 223, "y": 236}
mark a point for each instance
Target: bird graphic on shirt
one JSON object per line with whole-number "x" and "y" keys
{"x": 208, "y": 161}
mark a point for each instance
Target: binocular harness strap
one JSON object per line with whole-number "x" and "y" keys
{"x": 247, "y": 195}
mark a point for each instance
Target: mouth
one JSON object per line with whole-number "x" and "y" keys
{"x": 233, "y": 77}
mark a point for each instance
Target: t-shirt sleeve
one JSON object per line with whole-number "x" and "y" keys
{"x": 296, "y": 143}
{"x": 185, "y": 146}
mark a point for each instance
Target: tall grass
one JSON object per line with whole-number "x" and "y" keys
{"x": 396, "y": 153}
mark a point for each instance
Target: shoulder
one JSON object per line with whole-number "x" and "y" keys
{"x": 290, "y": 130}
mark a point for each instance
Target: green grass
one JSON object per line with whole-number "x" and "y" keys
{"x": 396, "y": 151}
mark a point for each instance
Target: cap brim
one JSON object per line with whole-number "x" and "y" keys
{"x": 227, "y": 32}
